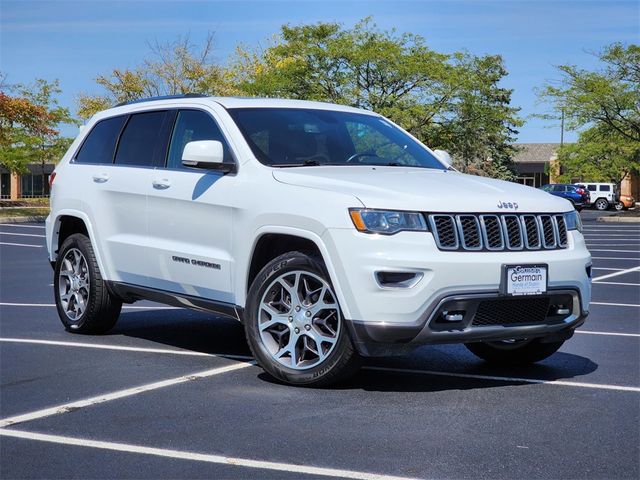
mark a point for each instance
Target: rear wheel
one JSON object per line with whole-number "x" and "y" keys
{"x": 514, "y": 352}
{"x": 601, "y": 204}
{"x": 84, "y": 304}
{"x": 619, "y": 206}
{"x": 294, "y": 325}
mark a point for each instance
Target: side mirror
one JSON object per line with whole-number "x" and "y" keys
{"x": 205, "y": 154}
{"x": 445, "y": 158}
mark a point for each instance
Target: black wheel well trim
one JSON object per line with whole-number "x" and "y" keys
{"x": 270, "y": 245}
{"x": 67, "y": 225}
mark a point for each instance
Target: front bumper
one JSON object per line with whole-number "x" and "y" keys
{"x": 381, "y": 316}
{"x": 373, "y": 339}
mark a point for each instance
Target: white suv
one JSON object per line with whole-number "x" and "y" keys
{"x": 602, "y": 195}
{"x": 328, "y": 231}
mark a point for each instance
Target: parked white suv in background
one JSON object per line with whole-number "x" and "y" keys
{"x": 330, "y": 232}
{"x": 602, "y": 195}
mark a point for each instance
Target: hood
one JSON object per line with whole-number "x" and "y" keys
{"x": 421, "y": 189}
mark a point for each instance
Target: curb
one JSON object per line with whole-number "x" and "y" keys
{"x": 619, "y": 219}
{"x": 38, "y": 218}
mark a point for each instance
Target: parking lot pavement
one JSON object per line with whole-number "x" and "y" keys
{"x": 172, "y": 393}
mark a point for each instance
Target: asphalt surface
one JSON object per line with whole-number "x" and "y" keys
{"x": 437, "y": 413}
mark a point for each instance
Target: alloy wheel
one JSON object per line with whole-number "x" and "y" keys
{"x": 299, "y": 320}
{"x": 74, "y": 284}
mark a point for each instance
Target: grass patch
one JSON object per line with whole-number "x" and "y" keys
{"x": 24, "y": 212}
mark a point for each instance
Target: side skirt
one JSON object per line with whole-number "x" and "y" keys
{"x": 129, "y": 293}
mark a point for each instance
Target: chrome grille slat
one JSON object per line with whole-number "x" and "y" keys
{"x": 469, "y": 230}
{"x": 498, "y": 232}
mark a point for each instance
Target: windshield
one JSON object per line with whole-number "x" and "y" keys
{"x": 290, "y": 137}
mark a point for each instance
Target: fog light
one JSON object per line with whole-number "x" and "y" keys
{"x": 561, "y": 310}
{"x": 453, "y": 316}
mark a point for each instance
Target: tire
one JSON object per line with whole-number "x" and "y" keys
{"x": 514, "y": 352}
{"x": 306, "y": 341}
{"x": 89, "y": 307}
{"x": 601, "y": 204}
{"x": 619, "y": 206}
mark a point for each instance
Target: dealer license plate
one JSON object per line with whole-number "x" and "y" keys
{"x": 524, "y": 279}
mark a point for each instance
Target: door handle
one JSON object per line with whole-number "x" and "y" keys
{"x": 100, "y": 177}
{"x": 162, "y": 184}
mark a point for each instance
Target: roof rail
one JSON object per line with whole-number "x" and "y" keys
{"x": 162, "y": 97}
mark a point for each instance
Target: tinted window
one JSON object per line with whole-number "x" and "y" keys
{"x": 100, "y": 144}
{"x": 292, "y": 137}
{"x": 143, "y": 142}
{"x": 191, "y": 126}
{"x": 558, "y": 188}
{"x": 605, "y": 188}
{"x": 591, "y": 188}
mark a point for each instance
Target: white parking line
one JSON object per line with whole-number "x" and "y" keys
{"x": 608, "y": 250}
{"x": 621, "y": 272}
{"x": 105, "y": 346}
{"x": 20, "y": 225}
{"x": 87, "y": 402}
{"x": 130, "y": 307}
{"x": 615, "y": 304}
{"x": 636, "y": 259}
{"x": 22, "y": 234}
{"x": 609, "y": 334}
{"x": 243, "y": 357}
{"x": 198, "y": 457}
{"x": 564, "y": 383}
{"x": 619, "y": 283}
{"x": 603, "y": 268}
{"x": 20, "y": 245}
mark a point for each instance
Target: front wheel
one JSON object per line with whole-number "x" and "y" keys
{"x": 619, "y": 206}
{"x": 514, "y": 352}
{"x": 294, "y": 325}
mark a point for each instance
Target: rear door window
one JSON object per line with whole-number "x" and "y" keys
{"x": 100, "y": 144}
{"x": 605, "y": 188}
{"x": 144, "y": 140}
{"x": 191, "y": 126}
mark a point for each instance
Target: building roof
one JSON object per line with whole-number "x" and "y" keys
{"x": 535, "y": 152}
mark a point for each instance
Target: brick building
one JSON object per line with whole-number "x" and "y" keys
{"x": 28, "y": 185}
{"x": 537, "y": 164}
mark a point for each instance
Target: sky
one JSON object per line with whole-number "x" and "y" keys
{"x": 75, "y": 41}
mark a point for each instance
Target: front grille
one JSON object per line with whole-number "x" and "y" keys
{"x": 495, "y": 232}
{"x": 511, "y": 311}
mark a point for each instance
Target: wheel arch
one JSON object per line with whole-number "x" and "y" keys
{"x": 66, "y": 223}
{"x": 270, "y": 242}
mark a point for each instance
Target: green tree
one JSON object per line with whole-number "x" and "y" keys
{"x": 608, "y": 96}
{"x": 449, "y": 101}
{"x": 172, "y": 68}
{"x": 604, "y": 105}
{"x": 600, "y": 155}
{"x": 29, "y": 122}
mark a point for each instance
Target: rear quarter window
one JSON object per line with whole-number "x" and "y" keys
{"x": 100, "y": 144}
{"x": 605, "y": 188}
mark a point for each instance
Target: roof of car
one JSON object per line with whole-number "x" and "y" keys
{"x": 236, "y": 102}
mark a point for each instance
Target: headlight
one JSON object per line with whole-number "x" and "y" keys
{"x": 573, "y": 221}
{"x": 386, "y": 222}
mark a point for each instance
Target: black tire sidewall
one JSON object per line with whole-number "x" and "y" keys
{"x": 85, "y": 324}
{"x": 341, "y": 353}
